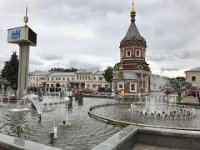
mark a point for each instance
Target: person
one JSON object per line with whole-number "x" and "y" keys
{"x": 122, "y": 93}
{"x": 198, "y": 96}
{"x": 116, "y": 94}
{"x": 179, "y": 95}
{"x": 194, "y": 94}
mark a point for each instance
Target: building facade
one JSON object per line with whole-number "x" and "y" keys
{"x": 81, "y": 79}
{"x": 37, "y": 79}
{"x": 193, "y": 76}
{"x": 132, "y": 73}
{"x": 158, "y": 83}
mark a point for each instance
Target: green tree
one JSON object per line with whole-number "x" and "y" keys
{"x": 72, "y": 69}
{"x": 10, "y": 71}
{"x": 108, "y": 75}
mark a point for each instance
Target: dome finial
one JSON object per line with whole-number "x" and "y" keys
{"x": 133, "y": 12}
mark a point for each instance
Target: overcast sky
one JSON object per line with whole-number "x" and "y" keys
{"x": 87, "y": 33}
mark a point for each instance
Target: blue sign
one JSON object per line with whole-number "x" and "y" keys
{"x": 16, "y": 34}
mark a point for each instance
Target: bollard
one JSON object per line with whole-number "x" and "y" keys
{"x": 40, "y": 117}
{"x": 51, "y": 137}
{"x": 18, "y": 130}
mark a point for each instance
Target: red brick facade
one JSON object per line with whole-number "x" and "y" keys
{"x": 132, "y": 73}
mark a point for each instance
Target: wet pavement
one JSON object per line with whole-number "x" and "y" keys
{"x": 190, "y": 99}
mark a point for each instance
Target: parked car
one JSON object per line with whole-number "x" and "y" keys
{"x": 107, "y": 89}
{"x": 101, "y": 89}
{"x": 87, "y": 91}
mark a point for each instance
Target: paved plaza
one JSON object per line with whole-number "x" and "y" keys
{"x": 150, "y": 147}
{"x": 190, "y": 99}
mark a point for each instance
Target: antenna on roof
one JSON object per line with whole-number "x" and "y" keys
{"x": 26, "y": 17}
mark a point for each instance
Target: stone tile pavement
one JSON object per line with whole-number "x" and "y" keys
{"x": 139, "y": 146}
{"x": 190, "y": 99}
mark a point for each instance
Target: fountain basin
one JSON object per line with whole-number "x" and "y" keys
{"x": 130, "y": 136}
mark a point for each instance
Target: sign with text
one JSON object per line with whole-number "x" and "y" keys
{"x": 22, "y": 35}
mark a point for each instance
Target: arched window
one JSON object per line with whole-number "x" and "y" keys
{"x": 193, "y": 79}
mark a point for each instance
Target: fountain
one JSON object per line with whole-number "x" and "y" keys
{"x": 67, "y": 120}
{"x": 55, "y": 131}
{"x": 78, "y": 129}
{"x": 165, "y": 110}
{"x": 149, "y": 110}
{"x": 74, "y": 125}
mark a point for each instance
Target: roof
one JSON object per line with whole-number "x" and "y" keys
{"x": 98, "y": 72}
{"x": 39, "y": 73}
{"x": 133, "y": 32}
{"x": 194, "y": 70}
{"x": 84, "y": 71}
{"x": 128, "y": 74}
{"x": 61, "y": 74}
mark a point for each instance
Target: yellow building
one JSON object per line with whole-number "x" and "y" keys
{"x": 193, "y": 76}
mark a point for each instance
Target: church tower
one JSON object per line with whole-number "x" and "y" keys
{"x": 132, "y": 73}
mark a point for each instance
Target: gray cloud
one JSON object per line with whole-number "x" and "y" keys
{"x": 51, "y": 57}
{"x": 35, "y": 62}
{"x": 170, "y": 69}
{"x": 90, "y": 31}
{"x": 185, "y": 55}
{"x": 82, "y": 64}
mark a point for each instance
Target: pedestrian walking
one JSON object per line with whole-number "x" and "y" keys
{"x": 194, "y": 94}
{"x": 198, "y": 96}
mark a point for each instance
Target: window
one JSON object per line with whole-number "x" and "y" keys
{"x": 128, "y": 53}
{"x": 193, "y": 79}
{"x": 138, "y": 53}
{"x": 120, "y": 86}
{"x": 132, "y": 87}
{"x": 87, "y": 85}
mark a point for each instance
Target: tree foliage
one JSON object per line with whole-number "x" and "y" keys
{"x": 72, "y": 69}
{"x": 10, "y": 71}
{"x": 179, "y": 83}
{"x": 108, "y": 74}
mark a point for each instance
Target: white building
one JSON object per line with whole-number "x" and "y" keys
{"x": 80, "y": 79}
{"x": 158, "y": 82}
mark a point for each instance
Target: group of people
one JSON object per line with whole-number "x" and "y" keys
{"x": 194, "y": 93}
